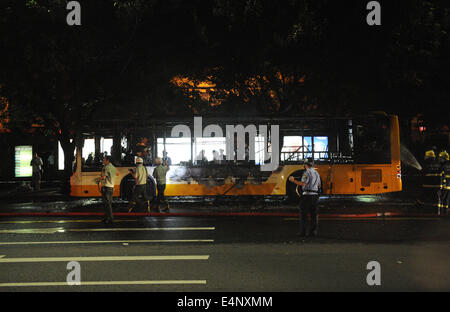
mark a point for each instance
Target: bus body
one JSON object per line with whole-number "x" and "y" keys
{"x": 370, "y": 164}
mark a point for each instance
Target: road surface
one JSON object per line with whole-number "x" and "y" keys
{"x": 169, "y": 253}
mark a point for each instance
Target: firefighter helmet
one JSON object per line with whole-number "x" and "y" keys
{"x": 430, "y": 154}
{"x": 444, "y": 155}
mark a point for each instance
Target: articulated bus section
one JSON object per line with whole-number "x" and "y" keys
{"x": 248, "y": 180}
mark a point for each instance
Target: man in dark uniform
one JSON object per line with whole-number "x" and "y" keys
{"x": 310, "y": 184}
{"x": 444, "y": 159}
{"x": 431, "y": 181}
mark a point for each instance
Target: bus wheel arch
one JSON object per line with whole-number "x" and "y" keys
{"x": 291, "y": 188}
{"x": 128, "y": 182}
{"x": 126, "y": 187}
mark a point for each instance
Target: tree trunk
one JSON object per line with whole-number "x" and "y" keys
{"x": 68, "y": 149}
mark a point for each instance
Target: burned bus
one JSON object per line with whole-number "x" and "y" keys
{"x": 353, "y": 155}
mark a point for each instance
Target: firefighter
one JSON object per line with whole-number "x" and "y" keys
{"x": 431, "y": 180}
{"x": 444, "y": 159}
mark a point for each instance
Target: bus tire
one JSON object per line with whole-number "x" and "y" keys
{"x": 126, "y": 187}
{"x": 127, "y": 184}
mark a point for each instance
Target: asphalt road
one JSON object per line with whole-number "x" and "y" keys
{"x": 223, "y": 254}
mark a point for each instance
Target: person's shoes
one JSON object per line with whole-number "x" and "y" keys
{"x": 301, "y": 234}
{"x": 313, "y": 233}
{"x": 108, "y": 221}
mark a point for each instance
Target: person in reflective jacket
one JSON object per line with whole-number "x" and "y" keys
{"x": 431, "y": 181}
{"x": 444, "y": 159}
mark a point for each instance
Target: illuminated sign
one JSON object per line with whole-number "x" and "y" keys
{"x": 22, "y": 158}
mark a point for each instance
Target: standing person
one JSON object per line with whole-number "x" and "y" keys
{"x": 167, "y": 159}
{"x": 37, "y": 164}
{"x": 431, "y": 181}
{"x": 108, "y": 175}
{"x": 310, "y": 184}
{"x": 51, "y": 165}
{"x": 444, "y": 158}
{"x": 140, "y": 175}
{"x": 159, "y": 173}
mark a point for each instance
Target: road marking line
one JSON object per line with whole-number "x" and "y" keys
{"x": 61, "y": 221}
{"x": 146, "y": 229}
{"x": 369, "y": 219}
{"x": 1, "y": 256}
{"x": 62, "y": 230}
{"x": 109, "y": 258}
{"x": 33, "y": 231}
{"x": 96, "y": 283}
{"x": 112, "y": 241}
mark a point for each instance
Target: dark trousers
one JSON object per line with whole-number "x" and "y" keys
{"x": 37, "y": 180}
{"x": 160, "y": 197}
{"x": 107, "y": 196}
{"x": 308, "y": 204}
{"x": 445, "y": 200}
{"x": 139, "y": 191}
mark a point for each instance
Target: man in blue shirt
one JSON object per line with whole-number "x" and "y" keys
{"x": 311, "y": 185}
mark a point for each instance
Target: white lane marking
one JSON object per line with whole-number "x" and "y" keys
{"x": 62, "y": 221}
{"x": 370, "y": 219}
{"x": 33, "y": 231}
{"x": 108, "y": 258}
{"x": 146, "y": 229}
{"x": 63, "y": 230}
{"x": 97, "y": 283}
{"x": 112, "y": 241}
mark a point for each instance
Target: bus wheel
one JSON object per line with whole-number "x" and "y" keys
{"x": 151, "y": 189}
{"x": 291, "y": 188}
{"x": 126, "y": 187}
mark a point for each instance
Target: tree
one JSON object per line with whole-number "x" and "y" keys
{"x": 57, "y": 76}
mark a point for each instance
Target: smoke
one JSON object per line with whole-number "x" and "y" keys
{"x": 408, "y": 158}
